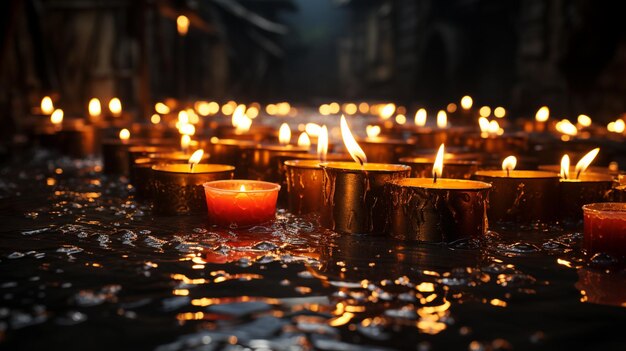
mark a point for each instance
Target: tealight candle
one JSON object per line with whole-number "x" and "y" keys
{"x": 178, "y": 187}
{"x": 437, "y": 209}
{"x": 605, "y": 228}
{"x": 521, "y": 196}
{"x": 381, "y": 149}
{"x": 230, "y": 152}
{"x": 353, "y": 197}
{"x": 456, "y": 168}
{"x": 115, "y": 154}
{"x": 240, "y": 203}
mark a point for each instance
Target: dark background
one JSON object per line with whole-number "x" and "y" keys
{"x": 569, "y": 55}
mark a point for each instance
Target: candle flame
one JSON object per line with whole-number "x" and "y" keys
{"x": 585, "y": 161}
{"x": 95, "y": 109}
{"x": 312, "y": 129}
{"x": 182, "y": 25}
{"x": 542, "y": 114}
{"x": 195, "y": 158}
{"x": 115, "y": 106}
{"x": 187, "y": 129}
{"x": 467, "y": 102}
{"x": 304, "y": 140}
{"x": 483, "y": 123}
{"x": 242, "y": 188}
{"x": 322, "y": 144}
{"x": 56, "y": 117}
{"x": 284, "y": 134}
{"x": 348, "y": 140}
{"x": 240, "y": 121}
{"x": 155, "y": 119}
{"x": 161, "y": 108}
{"x": 124, "y": 134}
{"x": 566, "y": 127}
{"x": 442, "y": 119}
{"x": 509, "y": 163}
{"x": 387, "y": 111}
{"x": 185, "y": 140}
{"x": 438, "y": 165}
{"x": 584, "y": 120}
{"x": 420, "y": 117}
{"x": 47, "y": 107}
{"x": 618, "y": 126}
{"x": 372, "y": 131}
{"x": 565, "y": 166}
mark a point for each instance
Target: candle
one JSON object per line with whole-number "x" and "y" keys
{"x": 354, "y": 191}
{"x": 115, "y": 154}
{"x": 143, "y": 151}
{"x": 605, "y": 228}
{"x": 521, "y": 196}
{"x": 178, "y": 187}
{"x": 437, "y": 209}
{"x": 386, "y": 150}
{"x": 240, "y": 203}
{"x": 230, "y": 152}
{"x": 266, "y": 160}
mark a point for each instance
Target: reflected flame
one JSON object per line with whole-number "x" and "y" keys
{"x": 322, "y": 144}
{"x": 182, "y": 25}
{"x": 372, "y": 131}
{"x": 442, "y": 119}
{"x": 95, "y": 109}
{"x": 57, "y": 117}
{"x": 115, "y": 106}
{"x": 124, "y": 134}
{"x": 542, "y": 114}
{"x": 420, "y": 117}
{"x": 242, "y": 188}
{"x": 438, "y": 165}
{"x": 304, "y": 140}
{"x": 509, "y": 163}
{"x": 585, "y": 161}
{"x": 284, "y": 134}
{"x": 351, "y": 145}
{"x": 565, "y": 167}
{"x": 47, "y": 107}
{"x": 195, "y": 158}
{"x": 467, "y": 102}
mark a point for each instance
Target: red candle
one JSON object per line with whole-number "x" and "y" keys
{"x": 241, "y": 203}
{"x": 605, "y": 228}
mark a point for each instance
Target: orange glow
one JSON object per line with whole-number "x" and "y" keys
{"x": 451, "y": 108}
{"x": 584, "y": 120}
{"x": 271, "y": 109}
{"x": 124, "y": 134}
{"x": 401, "y": 119}
{"x": 351, "y": 145}
{"x": 95, "y": 109}
{"x": 350, "y": 108}
{"x": 252, "y": 112}
{"x": 284, "y": 134}
{"x": 364, "y": 107}
{"x": 565, "y": 167}
{"x": 187, "y": 129}
{"x": 566, "y": 127}
{"x": 322, "y": 143}
{"x": 312, "y": 129}
{"x": 333, "y": 108}
{"x": 499, "y": 112}
{"x": 185, "y": 140}
{"x": 542, "y": 114}
{"x": 182, "y": 25}
{"x": 420, "y": 117}
{"x": 57, "y": 117}
{"x": 115, "y": 106}
{"x": 372, "y": 131}
{"x": 467, "y": 102}
{"x": 484, "y": 111}
{"x": 304, "y": 140}
{"x": 509, "y": 163}
{"x": 242, "y": 188}
{"x": 324, "y": 110}
{"x": 585, "y": 161}
{"x": 47, "y": 107}
{"x": 161, "y": 108}
{"x": 387, "y": 111}
{"x": 442, "y": 119}
{"x": 483, "y": 123}
{"x": 438, "y": 165}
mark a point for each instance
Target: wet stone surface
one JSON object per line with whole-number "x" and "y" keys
{"x": 84, "y": 266}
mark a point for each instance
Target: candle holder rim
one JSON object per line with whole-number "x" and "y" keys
{"x": 352, "y": 167}
{"x": 281, "y": 148}
{"x": 590, "y": 177}
{"x": 211, "y": 185}
{"x": 616, "y": 208}
{"x": 479, "y": 186}
{"x": 307, "y": 164}
{"x": 517, "y": 174}
{"x": 218, "y": 168}
{"x": 429, "y": 160}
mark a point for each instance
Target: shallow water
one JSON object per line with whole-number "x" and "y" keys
{"x": 85, "y": 266}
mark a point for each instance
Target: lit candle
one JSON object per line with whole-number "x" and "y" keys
{"x": 437, "y": 209}
{"x": 380, "y": 149}
{"x": 605, "y": 228}
{"x": 456, "y": 167}
{"x": 115, "y": 154}
{"x": 178, "y": 187}
{"x": 115, "y": 107}
{"x": 241, "y": 203}
{"x": 521, "y": 196}
{"x": 354, "y": 191}
{"x": 47, "y": 107}
{"x": 579, "y": 188}
{"x": 95, "y": 110}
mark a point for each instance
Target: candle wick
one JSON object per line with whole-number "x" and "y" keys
{"x": 191, "y": 167}
{"x": 434, "y": 177}
{"x": 360, "y": 160}
{"x": 508, "y": 172}
{"x": 578, "y": 174}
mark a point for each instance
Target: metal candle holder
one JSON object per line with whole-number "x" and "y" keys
{"x": 588, "y": 188}
{"x": 422, "y": 167}
{"x": 354, "y": 196}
